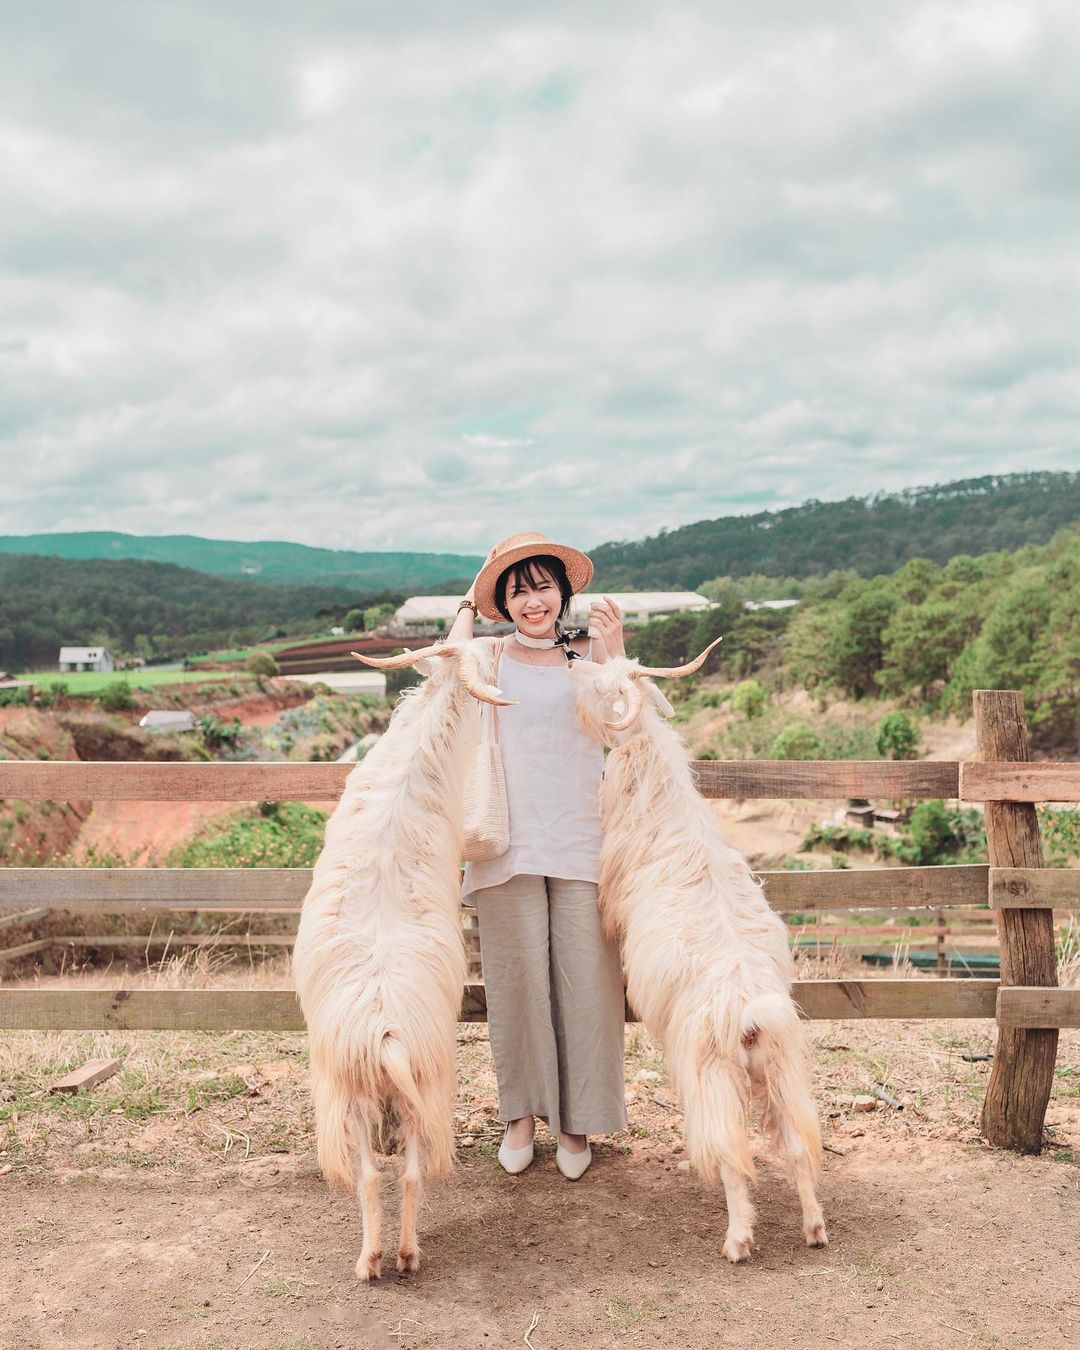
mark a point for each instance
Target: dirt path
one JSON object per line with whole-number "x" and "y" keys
{"x": 143, "y": 833}
{"x": 960, "y": 1247}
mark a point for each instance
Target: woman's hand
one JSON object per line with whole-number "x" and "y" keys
{"x": 605, "y": 619}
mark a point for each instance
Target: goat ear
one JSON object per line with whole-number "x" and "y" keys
{"x": 658, "y": 698}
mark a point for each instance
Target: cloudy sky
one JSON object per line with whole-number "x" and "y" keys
{"x": 419, "y": 275}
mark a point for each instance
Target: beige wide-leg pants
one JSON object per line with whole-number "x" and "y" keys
{"x": 555, "y": 1004}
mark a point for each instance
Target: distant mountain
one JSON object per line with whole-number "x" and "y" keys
{"x": 154, "y": 610}
{"x": 266, "y": 561}
{"x": 869, "y": 535}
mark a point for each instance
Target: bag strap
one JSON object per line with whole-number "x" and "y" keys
{"x": 491, "y": 709}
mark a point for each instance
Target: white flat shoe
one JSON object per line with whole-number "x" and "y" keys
{"x": 515, "y": 1160}
{"x": 573, "y": 1165}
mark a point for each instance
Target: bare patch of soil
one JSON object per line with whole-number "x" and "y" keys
{"x": 951, "y": 1246}
{"x": 179, "y": 1205}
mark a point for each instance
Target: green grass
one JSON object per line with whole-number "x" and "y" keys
{"x": 83, "y": 682}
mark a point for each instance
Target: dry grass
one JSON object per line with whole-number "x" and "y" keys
{"x": 199, "y": 1103}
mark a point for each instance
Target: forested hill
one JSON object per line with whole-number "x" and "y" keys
{"x": 265, "y": 561}
{"x": 868, "y": 535}
{"x": 150, "y": 609}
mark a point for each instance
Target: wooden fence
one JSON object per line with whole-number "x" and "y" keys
{"x": 1026, "y": 1003}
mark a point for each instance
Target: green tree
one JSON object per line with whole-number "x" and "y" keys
{"x": 354, "y": 621}
{"x": 856, "y": 648}
{"x": 915, "y": 580}
{"x": 932, "y": 834}
{"x": 798, "y": 740}
{"x": 920, "y": 644}
{"x": 897, "y": 737}
{"x": 748, "y": 698}
{"x": 261, "y": 663}
{"x": 376, "y": 615}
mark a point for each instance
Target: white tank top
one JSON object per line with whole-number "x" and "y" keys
{"x": 553, "y": 771}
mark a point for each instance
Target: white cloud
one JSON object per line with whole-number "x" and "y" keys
{"x": 396, "y": 283}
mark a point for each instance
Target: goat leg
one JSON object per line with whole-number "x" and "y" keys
{"x": 412, "y": 1180}
{"x": 369, "y": 1266}
{"x": 740, "y": 1233}
{"x": 802, "y": 1171}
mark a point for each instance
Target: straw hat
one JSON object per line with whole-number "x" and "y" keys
{"x": 515, "y": 548}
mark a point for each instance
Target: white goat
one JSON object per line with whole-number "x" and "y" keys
{"x": 708, "y": 965}
{"x": 379, "y": 958}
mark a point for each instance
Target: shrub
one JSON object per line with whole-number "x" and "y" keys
{"x": 748, "y": 698}
{"x": 15, "y": 698}
{"x": 799, "y": 740}
{"x": 115, "y": 695}
{"x": 261, "y": 664}
{"x": 897, "y": 737}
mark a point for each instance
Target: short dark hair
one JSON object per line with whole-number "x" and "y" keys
{"x": 528, "y": 572}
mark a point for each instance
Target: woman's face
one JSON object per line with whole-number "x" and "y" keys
{"x": 534, "y": 606}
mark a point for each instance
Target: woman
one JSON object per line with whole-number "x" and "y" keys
{"x": 554, "y": 985}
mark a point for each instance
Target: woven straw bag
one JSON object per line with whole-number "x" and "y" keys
{"x": 487, "y": 818}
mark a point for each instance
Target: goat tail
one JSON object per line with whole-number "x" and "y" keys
{"x": 714, "y": 1111}
{"x": 775, "y": 1045}
{"x": 334, "y": 1126}
{"x": 432, "y": 1126}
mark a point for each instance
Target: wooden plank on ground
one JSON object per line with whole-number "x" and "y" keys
{"x": 278, "y": 1009}
{"x": 24, "y": 916}
{"x": 1004, "y": 781}
{"x": 93, "y": 1072}
{"x": 178, "y": 940}
{"x": 25, "y": 948}
{"x": 102, "y": 780}
{"x": 107, "y": 890}
{"x": 826, "y": 778}
{"x": 1034, "y": 887}
{"x": 1026, "y": 1006}
{"x": 96, "y": 780}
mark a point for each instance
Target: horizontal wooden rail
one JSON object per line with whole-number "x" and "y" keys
{"x": 75, "y": 780}
{"x": 1026, "y": 1006}
{"x": 1023, "y": 782}
{"x": 106, "y": 890}
{"x": 167, "y": 939}
{"x": 278, "y": 1010}
{"x": 105, "y": 780}
{"x": 1034, "y": 888}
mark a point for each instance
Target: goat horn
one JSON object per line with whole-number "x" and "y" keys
{"x": 407, "y": 658}
{"x": 468, "y": 666}
{"x": 634, "y": 700}
{"x": 469, "y": 670}
{"x": 673, "y": 672}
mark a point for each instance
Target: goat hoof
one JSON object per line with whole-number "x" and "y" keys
{"x": 737, "y": 1249}
{"x": 408, "y": 1261}
{"x": 369, "y": 1267}
{"x": 815, "y": 1234}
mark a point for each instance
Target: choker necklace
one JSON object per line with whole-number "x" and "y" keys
{"x": 562, "y": 640}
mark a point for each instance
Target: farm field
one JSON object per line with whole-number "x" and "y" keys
{"x": 191, "y": 1176}
{"x": 84, "y": 682}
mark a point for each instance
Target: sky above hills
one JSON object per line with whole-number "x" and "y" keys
{"x": 415, "y": 276}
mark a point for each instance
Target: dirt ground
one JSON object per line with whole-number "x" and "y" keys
{"x": 179, "y": 1204}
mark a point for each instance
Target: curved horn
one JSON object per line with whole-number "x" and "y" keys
{"x": 407, "y": 658}
{"x": 634, "y": 701}
{"x": 468, "y": 666}
{"x": 469, "y": 670}
{"x": 674, "y": 672}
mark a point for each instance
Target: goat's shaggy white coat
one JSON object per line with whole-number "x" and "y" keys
{"x": 708, "y": 965}
{"x": 379, "y": 958}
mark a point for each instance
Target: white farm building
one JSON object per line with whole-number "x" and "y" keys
{"x": 423, "y": 613}
{"x": 86, "y": 658}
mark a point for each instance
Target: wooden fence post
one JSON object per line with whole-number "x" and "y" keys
{"x": 1022, "y": 1073}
